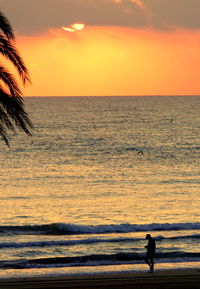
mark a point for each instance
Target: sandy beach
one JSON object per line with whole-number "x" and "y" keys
{"x": 161, "y": 279}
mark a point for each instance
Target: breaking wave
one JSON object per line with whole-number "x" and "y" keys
{"x": 71, "y": 229}
{"x": 88, "y": 241}
{"x": 96, "y": 260}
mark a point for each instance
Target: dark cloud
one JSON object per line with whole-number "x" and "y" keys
{"x": 33, "y": 16}
{"x": 170, "y": 13}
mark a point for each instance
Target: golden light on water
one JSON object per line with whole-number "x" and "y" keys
{"x": 74, "y": 27}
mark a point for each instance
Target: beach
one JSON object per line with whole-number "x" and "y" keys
{"x": 160, "y": 279}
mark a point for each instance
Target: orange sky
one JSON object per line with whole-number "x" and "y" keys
{"x": 112, "y": 61}
{"x": 128, "y": 47}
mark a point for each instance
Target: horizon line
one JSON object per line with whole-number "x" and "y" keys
{"x": 136, "y": 95}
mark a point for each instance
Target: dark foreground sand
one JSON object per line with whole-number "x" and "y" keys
{"x": 179, "y": 279}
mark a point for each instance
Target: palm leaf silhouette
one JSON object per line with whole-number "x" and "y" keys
{"x": 6, "y": 27}
{"x": 12, "y": 113}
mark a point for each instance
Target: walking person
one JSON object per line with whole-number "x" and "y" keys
{"x": 151, "y": 247}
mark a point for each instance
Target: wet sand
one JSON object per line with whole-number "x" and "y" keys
{"x": 179, "y": 279}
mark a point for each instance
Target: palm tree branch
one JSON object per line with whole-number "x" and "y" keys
{"x": 9, "y": 80}
{"x": 3, "y": 134}
{"x": 4, "y": 120}
{"x": 14, "y": 108}
{"x": 6, "y": 27}
{"x": 12, "y": 113}
{"x": 11, "y": 53}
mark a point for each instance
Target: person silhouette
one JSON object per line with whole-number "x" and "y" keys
{"x": 151, "y": 247}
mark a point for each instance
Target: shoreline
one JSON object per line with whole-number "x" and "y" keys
{"x": 179, "y": 279}
{"x": 94, "y": 271}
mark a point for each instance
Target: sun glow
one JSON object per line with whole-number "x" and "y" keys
{"x": 112, "y": 61}
{"x": 78, "y": 26}
{"x": 74, "y": 27}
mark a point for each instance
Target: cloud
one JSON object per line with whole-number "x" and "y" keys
{"x": 29, "y": 17}
{"x": 34, "y": 16}
{"x": 175, "y": 13}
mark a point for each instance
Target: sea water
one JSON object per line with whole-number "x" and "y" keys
{"x": 98, "y": 174}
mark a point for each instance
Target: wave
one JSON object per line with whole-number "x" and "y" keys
{"x": 98, "y": 260}
{"x": 89, "y": 241}
{"x": 72, "y": 229}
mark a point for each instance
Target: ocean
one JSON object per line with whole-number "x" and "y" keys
{"x": 98, "y": 174}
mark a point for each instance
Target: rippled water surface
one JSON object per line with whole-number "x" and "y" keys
{"x": 102, "y": 161}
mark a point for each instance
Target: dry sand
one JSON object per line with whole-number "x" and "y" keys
{"x": 179, "y": 279}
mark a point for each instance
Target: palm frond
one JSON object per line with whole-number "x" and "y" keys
{"x": 6, "y": 27}
{"x": 9, "y": 80}
{"x": 12, "y": 113}
{"x": 4, "y": 120}
{"x": 3, "y": 134}
{"x": 14, "y": 108}
{"x": 8, "y": 50}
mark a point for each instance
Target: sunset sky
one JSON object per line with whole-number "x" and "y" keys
{"x": 125, "y": 47}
